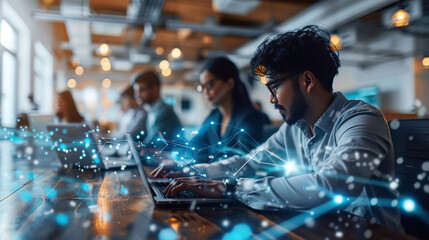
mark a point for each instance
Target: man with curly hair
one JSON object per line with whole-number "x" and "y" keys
{"x": 333, "y": 150}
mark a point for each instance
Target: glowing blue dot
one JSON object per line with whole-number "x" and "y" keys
{"x": 124, "y": 190}
{"x": 142, "y": 132}
{"x": 240, "y": 231}
{"x": 138, "y": 137}
{"x": 193, "y": 148}
{"x": 409, "y": 205}
{"x": 178, "y": 135}
{"x": 338, "y": 199}
{"x": 64, "y": 131}
{"x": 212, "y": 123}
{"x": 63, "y": 146}
{"x": 85, "y": 187}
{"x": 52, "y": 193}
{"x": 26, "y": 196}
{"x": 219, "y": 143}
{"x": 167, "y": 234}
{"x": 242, "y": 130}
{"x": 62, "y": 219}
{"x": 183, "y": 129}
{"x": 159, "y": 139}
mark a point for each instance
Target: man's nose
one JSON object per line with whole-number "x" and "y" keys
{"x": 273, "y": 99}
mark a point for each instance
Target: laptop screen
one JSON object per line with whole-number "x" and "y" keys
{"x": 138, "y": 151}
{"x": 75, "y": 145}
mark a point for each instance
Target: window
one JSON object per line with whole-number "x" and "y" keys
{"x": 43, "y": 80}
{"x": 9, "y": 41}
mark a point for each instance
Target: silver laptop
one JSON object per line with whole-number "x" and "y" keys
{"x": 76, "y": 147}
{"x": 156, "y": 186}
{"x": 38, "y": 122}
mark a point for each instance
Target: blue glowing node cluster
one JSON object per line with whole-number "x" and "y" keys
{"x": 167, "y": 234}
{"x": 239, "y": 232}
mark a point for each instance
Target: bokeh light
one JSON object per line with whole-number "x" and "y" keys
{"x": 71, "y": 83}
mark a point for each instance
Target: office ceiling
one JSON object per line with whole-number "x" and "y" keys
{"x": 134, "y": 29}
{"x": 143, "y": 32}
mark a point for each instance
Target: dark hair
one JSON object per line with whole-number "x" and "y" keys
{"x": 224, "y": 69}
{"x": 148, "y": 77}
{"x": 306, "y": 49}
{"x": 127, "y": 92}
{"x": 73, "y": 114}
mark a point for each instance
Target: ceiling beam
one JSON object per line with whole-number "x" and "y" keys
{"x": 57, "y": 16}
{"x": 329, "y": 14}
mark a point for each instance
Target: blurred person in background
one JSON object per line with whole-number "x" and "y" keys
{"x": 66, "y": 109}
{"x": 133, "y": 119}
{"x": 161, "y": 121}
{"x": 220, "y": 134}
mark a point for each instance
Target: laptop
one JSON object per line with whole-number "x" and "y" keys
{"x": 76, "y": 147}
{"x": 156, "y": 186}
{"x": 38, "y": 122}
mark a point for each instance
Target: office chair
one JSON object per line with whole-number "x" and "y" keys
{"x": 411, "y": 142}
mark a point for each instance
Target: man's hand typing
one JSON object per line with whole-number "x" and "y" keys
{"x": 201, "y": 187}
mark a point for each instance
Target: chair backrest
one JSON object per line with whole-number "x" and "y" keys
{"x": 411, "y": 142}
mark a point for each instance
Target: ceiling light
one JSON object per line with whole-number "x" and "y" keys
{"x": 166, "y": 72}
{"x": 71, "y": 83}
{"x": 176, "y": 53}
{"x": 164, "y": 64}
{"x": 207, "y": 39}
{"x": 159, "y": 50}
{"x": 335, "y": 42}
{"x": 184, "y": 33}
{"x": 425, "y": 62}
{"x": 104, "y": 61}
{"x": 400, "y": 18}
{"x": 104, "y": 49}
{"x": 79, "y": 70}
{"x": 106, "y": 67}
{"x": 106, "y": 83}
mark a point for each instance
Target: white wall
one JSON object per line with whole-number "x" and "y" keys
{"x": 199, "y": 107}
{"x": 34, "y": 31}
{"x": 395, "y": 81}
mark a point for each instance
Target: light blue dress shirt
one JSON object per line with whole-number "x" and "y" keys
{"x": 350, "y": 155}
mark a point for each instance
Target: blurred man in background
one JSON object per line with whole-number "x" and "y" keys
{"x": 161, "y": 119}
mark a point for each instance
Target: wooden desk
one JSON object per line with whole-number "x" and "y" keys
{"x": 40, "y": 201}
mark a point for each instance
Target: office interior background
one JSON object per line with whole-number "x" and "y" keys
{"x": 93, "y": 47}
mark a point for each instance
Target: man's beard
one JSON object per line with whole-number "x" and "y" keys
{"x": 298, "y": 107}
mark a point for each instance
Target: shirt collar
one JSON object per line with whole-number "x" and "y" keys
{"x": 328, "y": 118}
{"x": 149, "y": 107}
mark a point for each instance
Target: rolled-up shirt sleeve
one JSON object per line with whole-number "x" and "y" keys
{"x": 247, "y": 165}
{"x": 362, "y": 143}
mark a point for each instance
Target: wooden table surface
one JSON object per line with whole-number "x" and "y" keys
{"x": 38, "y": 200}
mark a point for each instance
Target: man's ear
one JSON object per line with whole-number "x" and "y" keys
{"x": 309, "y": 81}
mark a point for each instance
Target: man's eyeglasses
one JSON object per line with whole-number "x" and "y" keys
{"x": 275, "y": 85}
{"x": 207, "y": 85}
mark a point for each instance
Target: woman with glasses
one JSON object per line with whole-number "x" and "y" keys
{"x": 233, "y": 126}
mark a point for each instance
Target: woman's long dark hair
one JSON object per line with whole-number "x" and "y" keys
{"x": 224, "y": 69}
{"x": 72, "y": 113}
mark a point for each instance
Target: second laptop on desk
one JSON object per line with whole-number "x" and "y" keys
{"x": 156, "y": 186}
{"x": 76, "y": 147}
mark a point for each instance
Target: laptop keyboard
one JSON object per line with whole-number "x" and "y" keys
{"x": 181, "y": 195}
